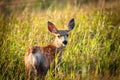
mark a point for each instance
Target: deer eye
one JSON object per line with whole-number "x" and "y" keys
{"x": 59, "y": 36}
{"x": 67, "y": 35}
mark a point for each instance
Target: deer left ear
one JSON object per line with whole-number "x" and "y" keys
{"x": 52, "y": 28}
{"x": 71, "y": 24}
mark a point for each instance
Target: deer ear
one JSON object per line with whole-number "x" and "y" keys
{"x": 52, "y": 28}
{"x": 71, "y": 24}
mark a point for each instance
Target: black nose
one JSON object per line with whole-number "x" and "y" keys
{"x": 65, "y": 42}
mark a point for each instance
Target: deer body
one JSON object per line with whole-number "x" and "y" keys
{"x": 38, "y": 59}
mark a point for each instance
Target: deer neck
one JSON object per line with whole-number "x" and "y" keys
{"x": 53, "y": 48}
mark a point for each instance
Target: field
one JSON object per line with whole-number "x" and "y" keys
{"x": 93, "y": 50}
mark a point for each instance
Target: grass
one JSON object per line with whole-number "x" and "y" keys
{"x": 92, "y": 52}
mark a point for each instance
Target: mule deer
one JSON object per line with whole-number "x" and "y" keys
{"x": 38, "y": 59}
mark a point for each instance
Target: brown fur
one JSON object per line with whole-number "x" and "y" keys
{"x": 48, "y": 52}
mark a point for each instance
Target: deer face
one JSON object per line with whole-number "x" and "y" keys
{"x": 61, "y": 35}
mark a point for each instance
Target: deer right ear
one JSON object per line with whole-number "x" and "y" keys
{"x": 52, "y": 28}
{"x": 71, "y": 24}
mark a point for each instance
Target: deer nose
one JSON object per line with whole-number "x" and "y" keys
{"x": 65, "y": 42}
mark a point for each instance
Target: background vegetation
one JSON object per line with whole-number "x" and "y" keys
{"x": 93, "y": 52}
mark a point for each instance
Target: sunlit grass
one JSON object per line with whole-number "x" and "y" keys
{"x": 92, "y": 52}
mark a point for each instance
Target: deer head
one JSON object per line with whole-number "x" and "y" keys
{"x": 61, "y": 35}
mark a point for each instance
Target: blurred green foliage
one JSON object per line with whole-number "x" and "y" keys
{"x": 93, "y": 52}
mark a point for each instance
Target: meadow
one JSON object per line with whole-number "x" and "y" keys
{"x": 93, "y": 50}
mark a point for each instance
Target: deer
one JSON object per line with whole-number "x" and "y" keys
{"x": 38, "y": 59}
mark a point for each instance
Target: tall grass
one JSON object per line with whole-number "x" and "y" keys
{"x": 91, "y": 54}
